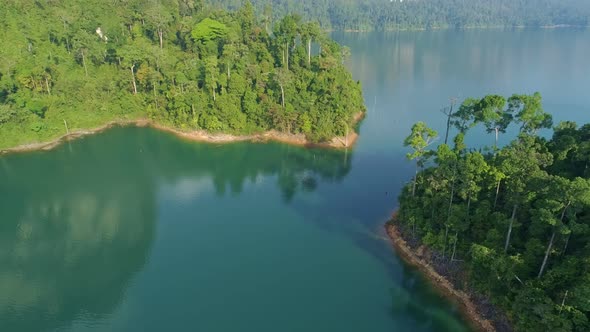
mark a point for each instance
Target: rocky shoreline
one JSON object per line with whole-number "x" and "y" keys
{"x": 471, "y": 311}
{"x": 196, "y": 135}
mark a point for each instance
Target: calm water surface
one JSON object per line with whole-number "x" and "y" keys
{"x": 136, "y": 230}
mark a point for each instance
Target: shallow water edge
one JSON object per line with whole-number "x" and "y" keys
{"x": 340, "y": 142}
{"x": 467, "y": 308}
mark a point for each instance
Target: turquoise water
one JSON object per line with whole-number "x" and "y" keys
{"x": 136, "y": 230}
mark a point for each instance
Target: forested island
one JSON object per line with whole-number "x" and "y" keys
{"x": 511, "y": 224}
{"x": 71, "y": 65}
{"x": 368, "y": 15}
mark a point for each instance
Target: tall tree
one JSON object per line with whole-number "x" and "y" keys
{"x": 419, "y": 140}
{"x": 519, "y": 161}
{"x": 211, "y": 75}
{"x": 448, "y": 111}
{"x": 158, "y": 18}
{"x": 490, "y": 111}
{"x": 529, "y": 113}
{"x": 561, "y": 195}
{"x": 464, "y": 117}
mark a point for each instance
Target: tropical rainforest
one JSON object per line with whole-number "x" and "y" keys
{"x": 74, "y": 64}
{"x": 426, "y": 14}
{"x": 514, "y": 220}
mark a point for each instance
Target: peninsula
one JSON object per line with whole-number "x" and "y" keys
{"x": 190, "y": 69}
{"x": 503, "y": 230}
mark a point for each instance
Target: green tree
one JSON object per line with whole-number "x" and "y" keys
{"x": 211, "y": 75}
{"x": 529, "y": 112}
{"x": 208, "y": 30}
{"x": 419, "y": 139}
{"x": 561, "y": 195}
{"x": 519, "y": 161}
{"x": 490, "y": 111}
{"x": 158, "y": 18}
{"x": 464, "y": 118}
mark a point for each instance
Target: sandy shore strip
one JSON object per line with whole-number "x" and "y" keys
{"x": 467, "y": 308}
{"x": 197, "y": 135}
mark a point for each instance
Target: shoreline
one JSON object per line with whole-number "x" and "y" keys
{"x": 442, "y": 28}
{"x": 467, "y": 308}
{"x": 339, "y": 142}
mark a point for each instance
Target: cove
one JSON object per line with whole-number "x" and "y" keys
{"x": 134, "y": 229}
{"x": 137, "y": 230}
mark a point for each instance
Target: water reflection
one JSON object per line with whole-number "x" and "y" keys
{"x": 70, "y": 241}
{"x": 457, "y": 56}
{"x": 78, "y": 223}
{"x": 231, "y": 166}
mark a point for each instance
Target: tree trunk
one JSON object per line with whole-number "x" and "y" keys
{"x": 497, "y": 193}
{"x": 497, "y": 132}
{"x": 567, "y": 240}
{"x": 449, "y": 115}
{"x": 346, "y": 137}
{"x": 155, "y": 96}
{"x": 66, "y": 124}
{"x": 415, "y": 180}
{"x": 563, "y": 301}
{"x": 445, "y": 244}
{"x": 282, "y": 95}
{"x": 551, "y": 242}
{"x": 160, "y": 33}
{"x": 47, "y": 86}
{"x": 563, "y": 212}
{"x": 228, "y": 73}
{"x": 507, "y": 243}
{"x": 287, "y": 50}
{"x": 561, "y": 220}
{"x": 449, "y": 212}
{"x": 451, "y": 200}
{"x": 309, "y": 51}
{"x": 133, "y": 80}
{"x": 546, "y": 255}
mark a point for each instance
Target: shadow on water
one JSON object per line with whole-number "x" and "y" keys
{"x": 412, "y": 298}
{"x": 405, "y": 304}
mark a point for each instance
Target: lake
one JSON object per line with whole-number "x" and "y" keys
{"x": 137, "y": 230}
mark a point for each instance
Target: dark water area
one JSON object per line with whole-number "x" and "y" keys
{"x": 137, "y": 230}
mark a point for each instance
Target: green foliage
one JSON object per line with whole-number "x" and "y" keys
{"x": 180, "y": 63}
{"x": 6, "y": 113}
{"x": 529, "y": 112}
{"x": 419, "y": 139}
{"x": 518, "y": 216}
{"x": 209, "y": 29}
